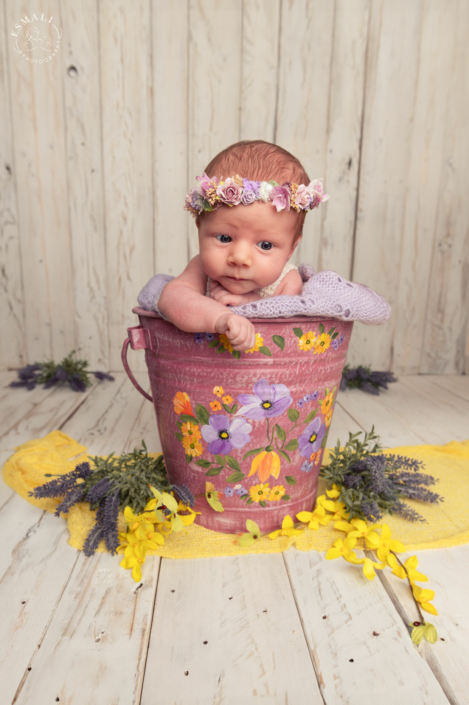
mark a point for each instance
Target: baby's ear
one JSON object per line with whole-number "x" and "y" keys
{"x": 295, "y": 245}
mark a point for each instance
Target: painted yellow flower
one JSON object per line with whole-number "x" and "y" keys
{"x": 328, "y": 418}
{"x": 307, "y": 341}
{"x": 218, "y": 390}
{"x": 276, "y": 493}
{"x": 191, "y": 430}
{"x": 182, "y": 404}
{"x": 216, "y": 406}
{"x": 384, "y": 543}
{"x": 258, "y": 344}
{"x": 227, "y": 399}
{"x": 314, "y": 518}
{"x": 259, "y": 492}
{"x": 322, "y": 343}
{"x": 326, "y": 403}
{"x": 226, "y": 344}
{"x": 288, "y": 529}
{"x": 134, "y": 557}
{"x": 423, "y": 597}
{"x": 343, "y": 548}
{"x": 267, "y": 463}
{"x": 192, "y": 446}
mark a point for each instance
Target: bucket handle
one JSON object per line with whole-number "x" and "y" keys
{"x": 136, "y": 335}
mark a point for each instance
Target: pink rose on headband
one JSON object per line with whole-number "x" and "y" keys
{"x": 302, "y": 197}
{"x": 229, "y": 192}
{"x": 316, "y": 190}
{"x": 280, "y": 197}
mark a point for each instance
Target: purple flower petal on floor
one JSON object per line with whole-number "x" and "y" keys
{"x": 222, "y": 435}
{"x": 311, "y": 439}
{"x": 267, "y": 401}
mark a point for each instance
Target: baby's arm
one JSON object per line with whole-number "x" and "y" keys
{"x": 291, "y": 284}
{"x": 183, "y": 302}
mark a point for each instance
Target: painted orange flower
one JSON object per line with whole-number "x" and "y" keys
{"x": 218, "y": 391}
{"x": 307, "y": 341}
{"x": 258, "y": 344}
{"x": 182, "y": 404}
{"x": 276, "y": 493}
{"x": 192, "y": 446}
{"x": 191, "y": 430}
{"x": 322, "y": 343}
{"x": 259, "y": 492}
{"x": 328, "y": 418}
{"x": 267, "y": 463}
{"x": 226, "y": 343}
{"x": 216, "y": 406}
{"x": 312, "y": 457}
{"x": 326, "y": 403}
{"x": 227, "y": 399}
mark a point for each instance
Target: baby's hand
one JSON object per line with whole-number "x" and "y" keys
{"x": 220, "y": 294}
{"x": 239, "y": 331}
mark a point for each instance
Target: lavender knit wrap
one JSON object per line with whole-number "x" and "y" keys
{"x": 324, "y": 294}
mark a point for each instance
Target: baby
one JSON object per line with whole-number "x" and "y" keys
{"x": 249, "y": 224}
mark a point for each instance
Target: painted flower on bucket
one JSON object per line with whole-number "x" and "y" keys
{"x": 267, "y": 463}
{"x": 223, "y": 435}
{"x": 267, "y": 401}
{"x": 182, "y": 404}
{"x": 311, "y": 438}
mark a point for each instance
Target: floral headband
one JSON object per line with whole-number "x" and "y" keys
{"x": 209, "y": 195}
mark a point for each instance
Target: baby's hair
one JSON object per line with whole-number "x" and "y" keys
{"x": 258, "y": 160}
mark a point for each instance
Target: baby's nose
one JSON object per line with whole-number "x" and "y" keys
{"x": 240, "y": 255}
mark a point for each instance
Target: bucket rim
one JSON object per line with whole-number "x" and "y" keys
{"x": 294, "y": 319}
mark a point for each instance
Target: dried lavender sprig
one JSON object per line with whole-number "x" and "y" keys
{"x": 109, "y": 521}
{"x": 184, "y": 495}
{"x": 61, "y": 485}
{"x": 98, "y": 491}
{"x": 364, "y": 378}
{"x": 92, "y": 540}
{"x": 73, "y": 496}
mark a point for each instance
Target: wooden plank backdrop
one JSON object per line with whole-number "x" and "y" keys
{"x": 99, "y": 146}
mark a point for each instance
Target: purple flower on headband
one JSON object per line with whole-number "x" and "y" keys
{"x": 316, "y": 191}
{"x": 197, "y": 201}
{"x": 302, "y": 197}
{"x": 280, "y": 197}
{"x": 251, "y": 186}
{"x": 249, "y": 196}
{"x": 230, "y": 192}
{"x": 205, "y": 182}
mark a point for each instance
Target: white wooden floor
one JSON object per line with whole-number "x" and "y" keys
{"x": 269, "y": 629}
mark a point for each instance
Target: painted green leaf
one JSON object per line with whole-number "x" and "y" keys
{"x": 236, "y": 354}
{"x": 285, "y": 497}
{"x": 298, "y": 332}
{"x": 220, "y": 460}
{"x": 221, "y": 348}
{"x": 265, "y": 351}
{"x": 214, "y": 471}
{"x": 335, "y": 335}
{"x": 202, "y": 414}
{"x": 244, "y": 496}
{"x": 235, "y": 477}
{"x": 179, "y": 425}
{"x": 234, "y": 409}
{"x": 213, "y": 343}
{"x": 324, "y": 441}
{"x": 321, "y": 328}
{"x": 179, "y": 436}
{"x": 331, "y": 330}
{"x": 256, "y": 451}
{"x": 290, "y": 479}
{"x": 280, "y": 432}
{"x": 284, "y": 455}
{"x": 203, "y": 463}
{"x": 292, "y": 444}
{"x": 262, "y": 503}
{"x": 188, "y": 458}
{"x": 293, "y": 415}
{"x": 188, "y": 419}
{"x": 233, "y": 463}
{"x": 250, "y": 501}
{"x": 278, "y": 340}
{"x": 310, "y": 416}
{"x": 227, "y": 408}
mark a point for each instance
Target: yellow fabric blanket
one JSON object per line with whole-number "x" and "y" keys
{"x": 447, "y": 522}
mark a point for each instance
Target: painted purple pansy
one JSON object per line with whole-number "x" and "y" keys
{"x": 307, "y": 398}
{"x": 222, "y": 436}
{"x": 341, "y": 339}
{"x": 209, "y": 337}
{"x": 314, "y": 395}
{"x": 335, "y": 344}
{"x": 311, "y": 438}
{"x": 199, "y": 338}
{"x": 307, "y": 466}
{"x": 267, "y": 401}
{"x": 300, "y": 403}
{"x": 241, "y": 491}
{"x": 229, "y": 491}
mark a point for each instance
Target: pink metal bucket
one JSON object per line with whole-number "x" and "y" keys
{"x": 254, "y": 424}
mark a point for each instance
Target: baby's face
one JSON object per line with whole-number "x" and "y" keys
{"x": 246, "y": 247}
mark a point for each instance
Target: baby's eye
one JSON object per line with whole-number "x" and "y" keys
{"x": 227, "y": 238}
{"x": 265, "y": 242}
